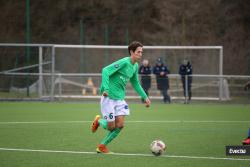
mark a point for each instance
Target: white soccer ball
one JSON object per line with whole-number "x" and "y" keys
{"x": 157, "y": 147}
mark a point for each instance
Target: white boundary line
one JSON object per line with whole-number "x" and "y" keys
{"x": 121, "y": 154}
{"x": 149, "y": 121}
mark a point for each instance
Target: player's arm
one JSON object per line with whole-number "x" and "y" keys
{"x": 136, "y": 85}
{"x": 108, "y": 71}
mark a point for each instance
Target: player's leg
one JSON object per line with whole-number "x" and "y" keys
{"x": 107, "y": 122}
{"x": 101, "y": 148}
{"x": 119, "y": 124}
{"x": 121, "y": 110}
{"x": 114, "y": 130}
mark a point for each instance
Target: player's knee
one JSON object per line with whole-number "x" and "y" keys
{"x": 111, "y": 127}
{"x": 120, "y": 125}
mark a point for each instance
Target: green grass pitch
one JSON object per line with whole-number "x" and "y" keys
{"x": 58, "y": 134}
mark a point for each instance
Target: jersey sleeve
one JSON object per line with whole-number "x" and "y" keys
{"x": 108, "y": 71}
{"x": 136, "y": 85}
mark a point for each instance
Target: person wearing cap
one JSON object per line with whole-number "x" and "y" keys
{"x": 186, "y": 69}
{"x": 145, "y": 71}
{"x": 161, "y": 72}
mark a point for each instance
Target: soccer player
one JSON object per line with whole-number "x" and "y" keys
{"x": 113, "y": 106}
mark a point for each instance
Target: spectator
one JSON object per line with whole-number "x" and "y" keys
{"x": 161, "y": 71}
{"x": 186, "y": 70}
{"x": 247, "y": 86}
{"x": 145, "y": 70}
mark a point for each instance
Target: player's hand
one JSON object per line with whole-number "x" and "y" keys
{"x": 162, "y": 73}
{"x": 147, "y": 102}
{"x": 105, "y": 94}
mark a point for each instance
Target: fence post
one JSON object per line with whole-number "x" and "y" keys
{"x": 60, "y": 86}
{"x": 52, "y": 74}
{"x": 221, "y": 74}
{"x": 186, "y": 88}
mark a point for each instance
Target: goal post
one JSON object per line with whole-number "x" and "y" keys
{"x": 65, "y": 70}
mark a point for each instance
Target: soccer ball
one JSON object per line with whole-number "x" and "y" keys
{"x": 157, "y": 147}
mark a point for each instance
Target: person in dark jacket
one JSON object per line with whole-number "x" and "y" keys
{"x": 145, "y": 71}
{"x": 161, "y": 72}
{"x": 186, "y": 69}
{"x": 247, "y": 86}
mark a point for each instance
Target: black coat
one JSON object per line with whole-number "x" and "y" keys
{"x": 186, "y": 70}
{"x": 145, "y": 77}
{"x": 162, "y": 81}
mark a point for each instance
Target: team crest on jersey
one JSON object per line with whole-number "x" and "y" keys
{"x": 116, "y": 65}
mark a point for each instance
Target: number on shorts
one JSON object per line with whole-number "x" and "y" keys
{"x": 111, "y": 116}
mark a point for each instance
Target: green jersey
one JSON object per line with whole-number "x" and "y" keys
{"x": 116, "y": 76}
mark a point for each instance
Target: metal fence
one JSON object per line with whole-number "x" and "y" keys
{"x": 86, "y": 86}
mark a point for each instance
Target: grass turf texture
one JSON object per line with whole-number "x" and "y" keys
{"x": 185, "y": 129}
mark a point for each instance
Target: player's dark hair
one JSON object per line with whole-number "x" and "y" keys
{"x": 133, "y": 46}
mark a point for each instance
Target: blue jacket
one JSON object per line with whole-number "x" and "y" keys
{"x": 162, "y": 81}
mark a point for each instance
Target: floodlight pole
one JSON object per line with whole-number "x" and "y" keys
{"x": 82, "y": 42}
{"x": 127, "y": 37}
{"x": 27, "y": 39}
{"x": 106, "y": 41}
